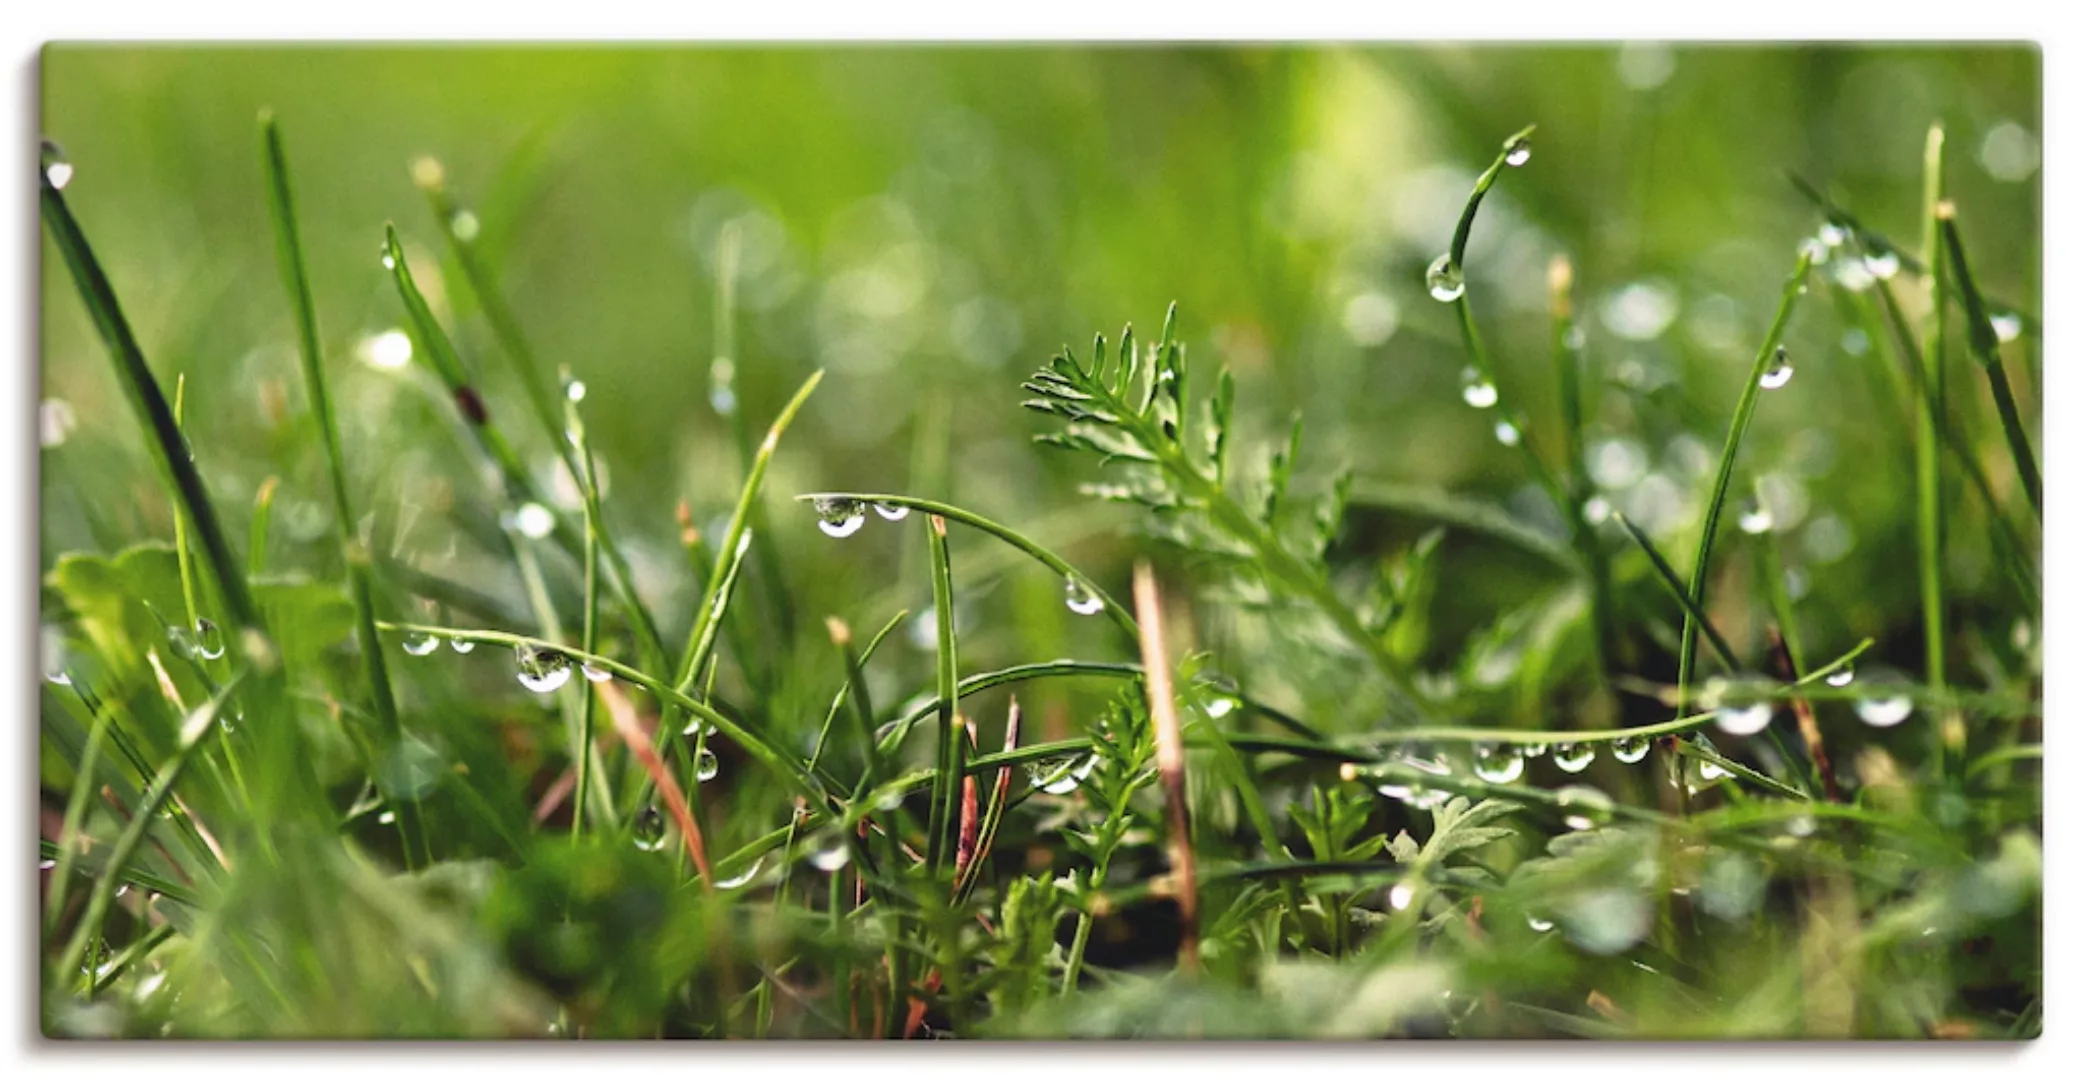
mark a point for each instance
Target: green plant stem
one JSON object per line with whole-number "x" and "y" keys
{"x": 1676, "y": 586}
{"x": 947, "y": 785}
{"x": 1746, "y": 406}
{"x": 1930, "y": 493}
{"x": 1981, "y": 340}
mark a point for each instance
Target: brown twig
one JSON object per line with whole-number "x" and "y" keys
{"x": 1804, "y": 715}
{"x": 1171, "y": 759}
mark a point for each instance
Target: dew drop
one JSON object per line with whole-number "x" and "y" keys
{"x": 741, "y": 879}
{"x": 388, "y": 817}
{"x": 1538, "y": 925}
{"x": 1518, "y": 151}
{"x": 1079, "y": 599}
{"x": 1572, "y": 757}
{"x": 1498, "y": 764}
{"x": 839, "y": 518}
{"x": 1597, "y": 510}
{"x": 1631, "y": 749}
{"x": 420, "y": 644}
{"x": 1219, "y": 706}
{"x": 460, "y": 645}
{"x": 1507, "y": 432}
{"x": 464, "y": 225}
{"x": 534, "y": 520}
{"x": 1400, "y": 896}
{"x": 1710, "y": 772}
{"x": 1884, "y": 712}
{"x": 1744, "y": 719}
{"x": 1444, "y": 280}
{"x": 541, "y": 670}
{"x": 706, "y": 766}
{"x": 891, "y": 511}
{"x": 575, "y": 390}
{"x": 1779, "y": 373}
{"x": 1832, "y": 234}
{"x": 595, "y": 674}
{"x": 1063, "y": 778}
{"x": 389, "y": 262}
{"x": 649, "y": 830}
{"x": 209, "y": 640}
{"x": 831, "y": 859}
{"x": 1586, "y": 807}
{"x": 1478, "y": 392}
{"x": 389, "y": 350}
{"x": 57, "y": 171}
{"x": 1756, "y": 519}
{"x": 1840, "y": 678}
{"x": 1534, "y": 750}
{"x": 55, "y": 421}
{"x": 1883, "y": 264}
{"x": 698, "y": 728}
{"x": 2007, "y": 324}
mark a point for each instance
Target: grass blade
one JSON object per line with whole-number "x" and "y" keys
{"x": 1676, "y": 586}
{"x": 1981, "y": 340}
{"x": 1746, "y": 406}
{"x": 946, "y": 783}
{"x": 162, "y": 435}
{"x": 1930, "y": 492}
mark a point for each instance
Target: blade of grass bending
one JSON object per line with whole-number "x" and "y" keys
{"x": 194, "y": 730}
{"x": 946, "y": 783}
{"x": 1005, "y": 533}
{"x": 1931, "y": 524}
{"x": 1477, "y": 517}
{"x": 162, "y": 436}
{"x": 1171, "y": 761}
{"x": 1981, "y": 340}
{"x": 1746, "y": 406}
{"x": 431, "y": 178}
{"x": 1675, "y": 585}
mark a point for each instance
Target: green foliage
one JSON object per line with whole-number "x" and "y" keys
{"x": 1430, "y": 646}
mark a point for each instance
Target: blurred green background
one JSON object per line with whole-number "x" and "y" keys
{"x": 928, "y": 224}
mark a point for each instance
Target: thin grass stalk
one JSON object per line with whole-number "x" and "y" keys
{"x": 1569, "y": 376}
{"x": 1171, "y": 761}
{"x": 946, "y": 781}
{"x": 1981, "y": 341}
{"x": 589, "y": 633}
{"x": 75, "y": 818}
{"x": 1746, "y": 406}
{"x": 1673, "y": 584}
{"x": 257, "y": 538}
{"x": 163, "y": 437}
{"x": 1930, "y": 490}
{"x": 194, "y": 730}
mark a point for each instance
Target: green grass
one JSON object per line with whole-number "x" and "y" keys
{"x": 1403, "y": 735}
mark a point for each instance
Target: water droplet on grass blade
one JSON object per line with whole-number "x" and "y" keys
{"x": 1631, "y": 749}
{"x": 2007, "y": 324}
{"x": 1443, "y": 279}
{"x": 1538, "y": 925}
{"x": 1587, "y": 807}
{"x": 839, "y": 518}
{"x": 55, "y": 421}
{"x": 1400, "y": 896}
{"x": 706, "y": 766}
{"x": 1518, "y": 151}
{"x": 891, "y": 511}
{"x": 1478, "y": 392}
{"x": 1756, "y": 519}
{"x": 420, "y": 644}
{"x": 743, "y": 877}
{"x": 464, "y": 225}
{"x": 1506, "y": 432}
{"x": 1832, "y": 233}
{"x": 1888, "y": 711}
{"x": 57, "y": 171}
{"x": 649, "y": 830}
{"x": 209, "y": 641}
{"x": 1061, "y": 778}
{"x": 384, "y": 255}
{"x": 1840, "y": 678}
{"x": 1498, "y": 764}
{"x": 595, "y": 674}
{"x": 1573, "y": 757}
{"x": 1079, "y": 599}
{"x": 832, "y": 858}
{"x": 460, "y": 645}
{"x": 575, "y": 390}
{"x": 1744, "y": 719}
{"x": 541, "y": 670}
{"x": 1778, "y": 373}
{"x": 1882, "y": 263}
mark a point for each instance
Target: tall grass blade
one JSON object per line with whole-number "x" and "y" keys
{"x": 1981, "y": 340}
{"x": 1171, "y": 762}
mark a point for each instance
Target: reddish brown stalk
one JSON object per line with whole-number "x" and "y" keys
{"x": 1171, "y": 759}
{"x": 1804, "y": 715}
{"x": 971, "y": 819}
{"x": 632, "y": 731}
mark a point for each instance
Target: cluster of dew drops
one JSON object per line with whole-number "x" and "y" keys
{"x": 840, "y": 517}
